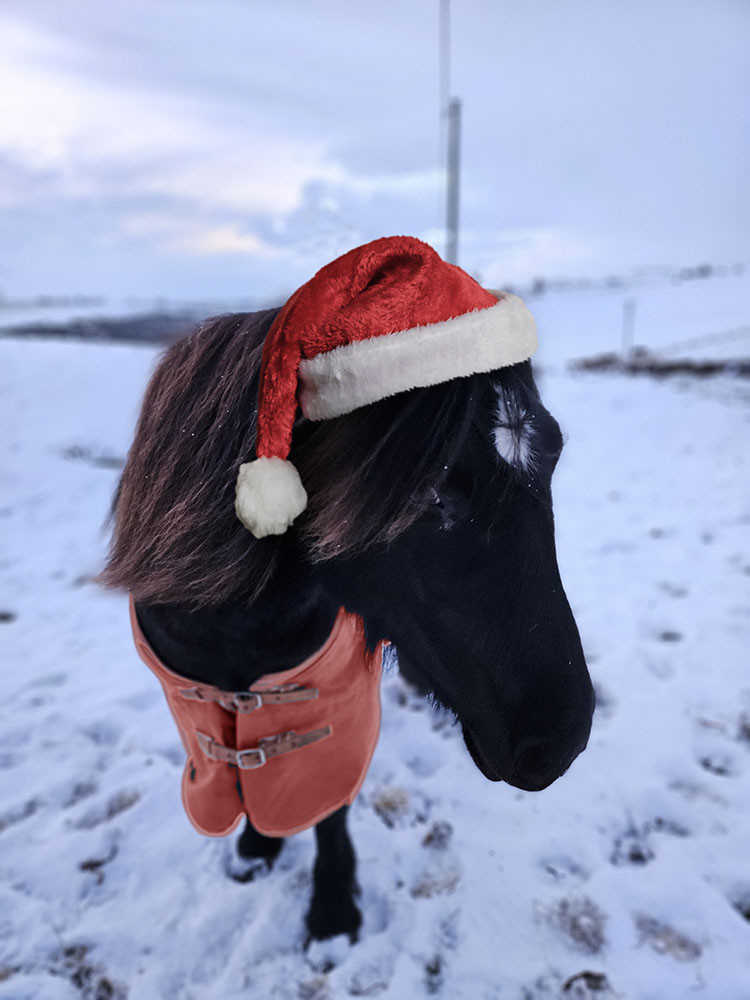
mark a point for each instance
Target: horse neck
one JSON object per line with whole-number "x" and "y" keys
{"x": 232, "y": 645}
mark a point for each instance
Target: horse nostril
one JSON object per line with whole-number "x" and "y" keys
{"x": 540, "y": 762}
{"x": 533, "y": 758}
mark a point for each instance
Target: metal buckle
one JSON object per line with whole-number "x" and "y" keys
{"x": 243, "y": 702}
{"x": 261, "y": 753}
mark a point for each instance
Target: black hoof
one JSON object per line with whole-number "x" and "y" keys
{"x": 254, "y": 856}
{"x": 328, "y": 917}
{"x": 246, "y": 869}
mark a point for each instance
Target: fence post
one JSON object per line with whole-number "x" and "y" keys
{"x": 628, "y": 326}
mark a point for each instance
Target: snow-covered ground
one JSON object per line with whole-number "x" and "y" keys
{"x": 698, "y": 318}
{"x": 629, "y": 877}
{"x": 695, "y": 317}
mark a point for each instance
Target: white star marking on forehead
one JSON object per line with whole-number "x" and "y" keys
{"x": 513, "y": 432}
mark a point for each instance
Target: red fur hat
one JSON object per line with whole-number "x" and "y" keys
{"x": 383, "y": 318}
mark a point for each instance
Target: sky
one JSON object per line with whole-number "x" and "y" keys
{"x": 192, "y": 149}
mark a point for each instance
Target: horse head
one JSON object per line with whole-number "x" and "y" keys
{"x": 433, "y": 514}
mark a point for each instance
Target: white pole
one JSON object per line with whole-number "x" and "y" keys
{"x": 628, "y": 326}
{"x": 450, "y": 131}
{"x": 451, "y": 208}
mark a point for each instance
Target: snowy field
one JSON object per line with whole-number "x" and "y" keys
{"x": 628, "y": 878}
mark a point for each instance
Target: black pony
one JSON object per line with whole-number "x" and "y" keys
{"x": 430, "y": 515}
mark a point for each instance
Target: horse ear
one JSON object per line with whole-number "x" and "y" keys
{"x": 268, "y": 496}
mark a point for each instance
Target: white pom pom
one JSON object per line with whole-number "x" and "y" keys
{"x": 268, "y": 496}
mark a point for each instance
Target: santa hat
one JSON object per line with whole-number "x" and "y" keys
{"x": 383, "y": 318}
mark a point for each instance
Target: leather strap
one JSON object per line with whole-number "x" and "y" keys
{"x": 245, "y": 702}
{"x": 269, "y": 746}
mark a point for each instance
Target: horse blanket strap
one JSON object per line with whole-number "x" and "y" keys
{"x": 248, "y": 701}
{"x": 269, "y": 746}
{"x": 240, "y": 745}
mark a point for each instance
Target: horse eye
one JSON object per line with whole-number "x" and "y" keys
{"x": 460, "y": 483}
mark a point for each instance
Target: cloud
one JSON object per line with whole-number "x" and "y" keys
{"x": 94, "y": 141}
{"x": 206, "y": 183}
{"x": 172, "y": 232}
{"x": 266, "y": 137}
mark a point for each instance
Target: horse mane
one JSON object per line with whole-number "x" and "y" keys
{"x": 368, "y": 474}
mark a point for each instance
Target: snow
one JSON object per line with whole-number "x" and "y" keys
{"x": 694, "y": 318}
{"x": 623, "y": 879}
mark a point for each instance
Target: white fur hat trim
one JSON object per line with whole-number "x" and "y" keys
{"x": 268, "y": 496}
{"x": 363, "y": 371}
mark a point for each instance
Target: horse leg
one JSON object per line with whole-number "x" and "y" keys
{"x": 333, "y": 910}
{"x": 256, "y": 853}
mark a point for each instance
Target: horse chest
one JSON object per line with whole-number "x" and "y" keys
{"x": 287, "y": 752}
